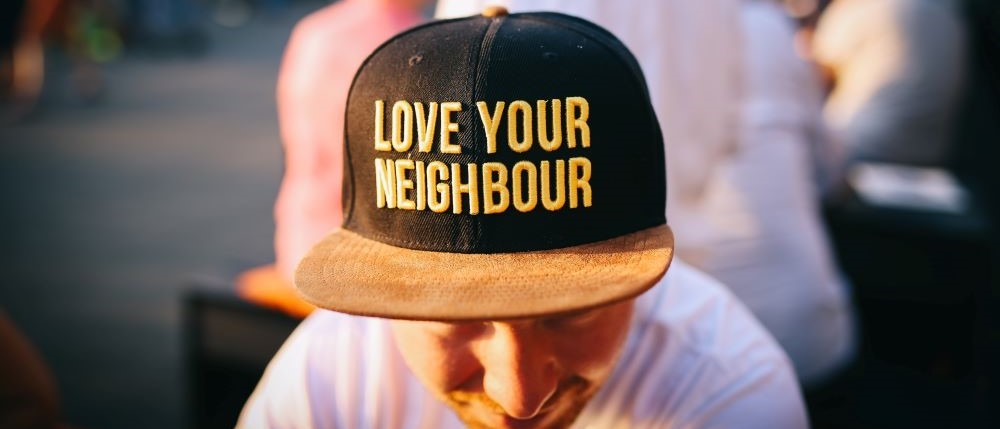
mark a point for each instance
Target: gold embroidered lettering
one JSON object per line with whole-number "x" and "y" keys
{"x": 425, "y": 126}
{"x": 402, "y": 126}
{"x": 439, "y": 187}
{"x": 577, "y": 120}
{"x": 543, "y": 133}
{"x": 471, "y": 187}
{"x": 520, "y": 203}
{"x": 448, "y": 127}
{"x": 437, "y": 193}
{"x": 381, "y": 143}
{"x": 491, "y": 122}
{"x": 557, "y": 203}
{"x": 578, "y": 180}
{"x": 522, "y": 145}
{"x": 498, "y": 186}
{"x": 421, "y": 194}
{"x": 403, "y": 184}
{"x": 385, "y": 183}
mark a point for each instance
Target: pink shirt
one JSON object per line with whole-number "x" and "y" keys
{"x": 325, "y": 50}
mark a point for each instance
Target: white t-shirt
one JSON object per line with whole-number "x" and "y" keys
{"x": 694, "y": 358}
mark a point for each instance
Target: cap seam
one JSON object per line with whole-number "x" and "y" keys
{"x": 616, "y": 47}
{"x": 485, "y": 47}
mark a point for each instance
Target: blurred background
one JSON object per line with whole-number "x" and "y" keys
{"x": 140, "y": 159}
{"x": 118, "y": 200}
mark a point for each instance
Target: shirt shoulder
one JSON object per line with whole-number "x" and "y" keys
{"x": 697, "y": 358}
{"x": 293, "y": 386}
{"x": 341, "y": 372}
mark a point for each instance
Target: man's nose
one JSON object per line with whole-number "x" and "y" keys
{"x": 520, "y": 372}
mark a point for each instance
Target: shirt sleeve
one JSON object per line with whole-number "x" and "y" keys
{"x": 294, "y": 393}
{"x": 733, "y": 373}
{"x": 311, "y": 94}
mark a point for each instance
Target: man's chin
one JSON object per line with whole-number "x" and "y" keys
{"x": 483, "y": 413}
{"x": 562, "y": 420}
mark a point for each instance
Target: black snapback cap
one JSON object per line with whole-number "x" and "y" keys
{"x": 496, "y": 166}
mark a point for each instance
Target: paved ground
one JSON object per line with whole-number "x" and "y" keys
{"x": 110, "y": 211}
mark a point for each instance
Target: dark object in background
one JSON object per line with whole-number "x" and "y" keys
{"x": 977, "y": 146}
{"x": 977, "y": 155}
{"x": 926, "y": 284}
{"x": 228, "y": 344}
{"x": 11, "y": 12}
{"x": 923, "y": 288}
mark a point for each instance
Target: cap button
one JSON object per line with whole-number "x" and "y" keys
{"x": 495, "y": 11}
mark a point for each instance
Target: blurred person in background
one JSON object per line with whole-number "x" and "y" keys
{"x": 85, "y": 30}
{"x": 782, "y": 135}
{"x": 743, "y": 115}
{"x": 895, "y": 68}
{"x": 89, "y": 33}
{"x": 325, "y": 50}
{"x": 21, "y": 56}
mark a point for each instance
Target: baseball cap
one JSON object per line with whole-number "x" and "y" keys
{"x": 498, "y": 166}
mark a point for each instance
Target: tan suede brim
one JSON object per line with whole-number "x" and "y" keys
{"x": 348, "y": 273}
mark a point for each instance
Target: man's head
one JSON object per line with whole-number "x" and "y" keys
{"x": 504, "y": 199}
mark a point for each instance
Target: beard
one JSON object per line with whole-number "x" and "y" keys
{"x": 559, "y": 412}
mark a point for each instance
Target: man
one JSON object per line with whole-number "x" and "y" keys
{"x": 504, "y": 231}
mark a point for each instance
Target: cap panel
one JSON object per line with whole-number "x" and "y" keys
{"x": 428, "y": 65}
{"x": 532, "y": 60}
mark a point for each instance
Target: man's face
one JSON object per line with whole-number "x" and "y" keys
{"x": 530, "y": 373}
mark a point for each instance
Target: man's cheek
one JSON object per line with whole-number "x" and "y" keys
{"x": 591, "y": 361}
{"x": 444, "y": 369}
{"x": 461, "y": 370}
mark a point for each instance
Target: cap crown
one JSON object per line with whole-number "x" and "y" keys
{"x": 501, "y": 134}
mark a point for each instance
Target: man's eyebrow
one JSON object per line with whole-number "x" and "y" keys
{"x": 573, "y": 314}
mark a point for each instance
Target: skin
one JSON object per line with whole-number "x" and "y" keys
{"x": 529, "y": 373}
